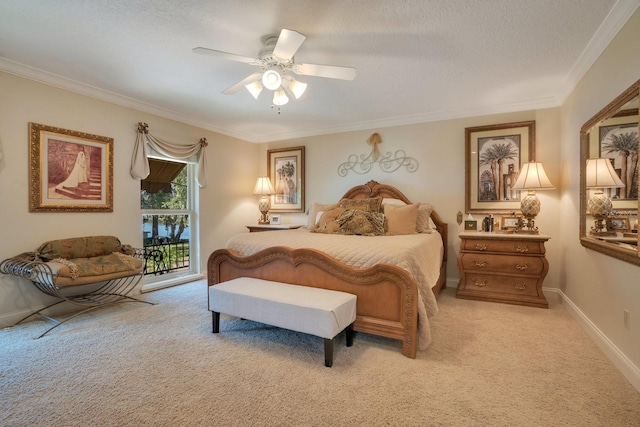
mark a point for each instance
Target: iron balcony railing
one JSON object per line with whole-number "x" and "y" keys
{"x": 163, "y": 258}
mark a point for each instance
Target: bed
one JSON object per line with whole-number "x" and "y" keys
{"x": 396, "y": 287}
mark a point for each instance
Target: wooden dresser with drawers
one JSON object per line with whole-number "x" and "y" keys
{"x": 508, "y": 268}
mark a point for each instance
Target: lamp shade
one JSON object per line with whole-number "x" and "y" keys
{"x": 532, "y": 177}
{"x": 263, "y": 186}
{"x": 297, "y": 88}
{"x": 254, "y": 88}
{"x": 600, "y": 174}
{"x": 279, "y": 97}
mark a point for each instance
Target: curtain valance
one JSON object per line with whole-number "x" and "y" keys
{"x": 140, "y": 162}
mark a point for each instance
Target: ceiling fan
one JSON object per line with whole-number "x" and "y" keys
{"x": 277, "y": 63}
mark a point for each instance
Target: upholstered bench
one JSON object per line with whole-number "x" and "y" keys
{"x": 320, "y": 312}
{"x": 66, "y": 269}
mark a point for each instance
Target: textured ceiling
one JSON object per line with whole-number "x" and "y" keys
{"x": 416, "y": 60}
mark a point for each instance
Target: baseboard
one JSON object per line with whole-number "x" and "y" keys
{"x": 613, "y": 353}
{"x": 10, "y": 319}
{"x": 161, "y": 284}
{"x": 452, "y": 283}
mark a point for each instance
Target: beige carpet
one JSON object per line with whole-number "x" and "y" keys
{"x": 141, "y": 365}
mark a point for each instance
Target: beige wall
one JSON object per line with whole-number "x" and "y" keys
{"x": 439, "y": 148}
{"x": 600, "y": 287}
{"x": 225, "y": 205}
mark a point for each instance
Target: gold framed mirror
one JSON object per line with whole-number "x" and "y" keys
{"x": 609, "y": 176}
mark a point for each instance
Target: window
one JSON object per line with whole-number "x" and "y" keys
{"x": 169, "y": 221}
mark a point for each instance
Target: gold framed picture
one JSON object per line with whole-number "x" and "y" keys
{"x": 69, "y": 171}
{"x": 493, "y": 158}
{"x": 285, "y": 168}
{"x": 619, "y": 223}
{"x": 509, "y": 222}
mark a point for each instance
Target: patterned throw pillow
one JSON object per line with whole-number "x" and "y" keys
{"x": 372, "y": 204}
{"x": 79, "y": 247}
{"x": 353, "y": 221}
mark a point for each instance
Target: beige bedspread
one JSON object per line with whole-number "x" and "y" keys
{"x": 418, "y": 254}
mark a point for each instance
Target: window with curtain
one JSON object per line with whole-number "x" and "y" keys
{"x": 168, "y": 200}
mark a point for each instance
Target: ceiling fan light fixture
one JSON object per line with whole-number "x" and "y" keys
{"x": 254, "y": 88}
{"x": 297, "y": 88}
{"x": 279, "y": 97}
{"x": 271, "y": 79}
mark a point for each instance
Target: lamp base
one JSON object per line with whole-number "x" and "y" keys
{"x": 264, "y": 205}
{"x": 530, "y": 207}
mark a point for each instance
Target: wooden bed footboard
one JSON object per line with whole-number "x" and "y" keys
{"x": 387, "y": 303}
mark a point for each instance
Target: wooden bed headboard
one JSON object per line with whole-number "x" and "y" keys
{"x": 375, "y": 189}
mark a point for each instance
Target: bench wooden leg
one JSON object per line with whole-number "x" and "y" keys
{"x": 215, "y": 317}
{"x": 328, "y": 352}
{"x": 349, "y": 334}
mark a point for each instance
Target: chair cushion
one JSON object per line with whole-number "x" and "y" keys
{"x": 80, "y": 271}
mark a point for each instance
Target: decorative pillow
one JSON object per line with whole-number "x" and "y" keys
{"x": 372, "y": 204}
{"x": 327, "y": 222}
{"x": 317, "y": 209}
{"x": 354, "y": 221}
{"x": 79, "y": 247}
{"x": 423, "y": 224}
{"x": 390, "y": 201}
{"x": 401, "y": 219}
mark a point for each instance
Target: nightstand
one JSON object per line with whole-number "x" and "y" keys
{"x": 508, "y": 268}
{"x": 271, "y": 227}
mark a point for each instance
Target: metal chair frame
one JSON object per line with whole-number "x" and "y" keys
{"x": 108, "y": 293}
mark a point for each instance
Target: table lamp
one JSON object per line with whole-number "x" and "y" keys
{"x": 601, "y": 175}
{"x": 532, "y": 177}
{"x": 265, "y": 189}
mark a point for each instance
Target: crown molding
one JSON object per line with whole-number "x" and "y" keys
{"x": 618, "y": 16}
{"x": 65, "y": 83}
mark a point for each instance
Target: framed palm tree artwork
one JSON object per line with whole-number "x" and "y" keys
{"x": 616, "y": 139}
{"x": 285, "y": 168}
{"x": 493, "y": 157}
{"x": 619, "y": 144}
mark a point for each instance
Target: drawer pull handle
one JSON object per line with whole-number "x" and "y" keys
{"x": 522, "y": 250}
{"x": 481, "y": 247}
{"x": 480, "y": 264}
{"x": 522, "y": 267}
{"x": 479, "y": 284}
{"x": 521, "y": 287}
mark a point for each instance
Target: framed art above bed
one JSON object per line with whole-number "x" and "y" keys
{"x": 285, "y": 168}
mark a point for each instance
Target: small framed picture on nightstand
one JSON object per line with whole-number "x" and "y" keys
{"x": 275, "y": 219}
{"x": 470, "y": 225}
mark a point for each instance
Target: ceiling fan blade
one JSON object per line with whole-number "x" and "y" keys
{"x": 328, "y": 71}
{"x": 242, "y": 83}
{"x": 288, "y": 44}
{"x": 225, "y": 55}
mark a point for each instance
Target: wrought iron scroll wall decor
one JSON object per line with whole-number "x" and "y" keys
{"x": 362, "y": 165}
